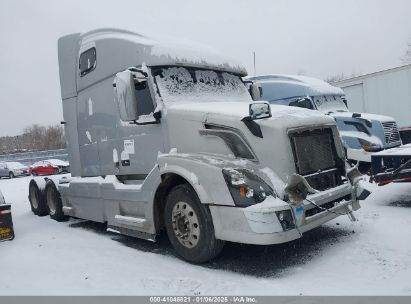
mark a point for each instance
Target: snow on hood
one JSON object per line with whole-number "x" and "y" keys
{"x": 241, "y": 110}
{"x": 398, "y": 151}
{"x": 368, "y": 116}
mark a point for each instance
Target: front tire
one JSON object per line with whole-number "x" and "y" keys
{"x": 11, "y": 175}
{"x": 189, "y": 226}
{"x": 37, "y": 199}
{"x": 54, "y": 203}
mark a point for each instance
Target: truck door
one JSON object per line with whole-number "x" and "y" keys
{"x": 133, "y": 149}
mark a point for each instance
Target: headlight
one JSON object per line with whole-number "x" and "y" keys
{"x": 369, "y": 146}
{"x": 245, "y": 187}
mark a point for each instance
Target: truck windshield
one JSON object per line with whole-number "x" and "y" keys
{"x": 180, "y": 84}
{"x": 330, "y": 103}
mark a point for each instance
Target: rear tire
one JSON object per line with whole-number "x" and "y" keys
{"x": 189, "y": 226}
{"x": 37, "y": 199}
{"x": 54, "y": 203}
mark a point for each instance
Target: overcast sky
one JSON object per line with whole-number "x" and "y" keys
{"x": 314, "y": 37}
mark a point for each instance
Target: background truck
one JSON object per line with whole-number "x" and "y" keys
{"x": 386, "y": 92}
{"x": 361, "y": 133}
{"x": 166, "y": 136}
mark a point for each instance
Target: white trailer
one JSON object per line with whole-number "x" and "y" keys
{"x": 386, "y": 92}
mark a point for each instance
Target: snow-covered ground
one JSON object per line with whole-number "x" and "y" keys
{"x": 368, "y": 257}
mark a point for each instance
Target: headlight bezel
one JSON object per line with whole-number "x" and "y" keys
{"x": 369, "y": 146}
{"x": 246, "y": 188}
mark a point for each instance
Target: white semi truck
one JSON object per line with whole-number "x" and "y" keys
{"x": 166, "y": 136}
{"x": 362, "y": 133}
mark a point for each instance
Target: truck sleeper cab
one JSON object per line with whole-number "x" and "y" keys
{"x": 166, "y": 136}
{"x": 362, "y": 133}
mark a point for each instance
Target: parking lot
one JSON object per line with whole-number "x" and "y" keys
{"x": 368, "y": 257}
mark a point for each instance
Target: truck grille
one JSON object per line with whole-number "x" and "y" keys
{"x": 391, "y": 132}
{"x": 316, "y": 158}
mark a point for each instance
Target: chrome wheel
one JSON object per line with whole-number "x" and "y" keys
{"x": 51, "y": 201}
{"x": 185, "y": 224}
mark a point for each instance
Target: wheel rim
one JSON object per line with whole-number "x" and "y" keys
{"x": 51, "y": 201}
{"x": 11, "y": 175}
{"x": 185, "y": 224}
{"x": 33, "y": 196}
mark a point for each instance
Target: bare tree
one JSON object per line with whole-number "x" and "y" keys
{"x": 341, "y": 76}
{"x": 55, "y": 137}
{"x": 34, "y": 137}
{"x": 406, "y": 59}
{"x": 335, "y": 78}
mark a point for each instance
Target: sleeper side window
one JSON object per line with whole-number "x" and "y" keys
{"x": 88, "y": 61}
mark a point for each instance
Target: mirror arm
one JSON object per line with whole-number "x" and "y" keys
{"x": 254, "y": 127}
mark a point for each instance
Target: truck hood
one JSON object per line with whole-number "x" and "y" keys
{"x": 220, "y": 112}
{"x": 273, "y": 151}
{"x": 367, "y": 116}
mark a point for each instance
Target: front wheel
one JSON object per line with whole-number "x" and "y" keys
{"x": 189, "y": 226}
{"x": 11, "y": 175}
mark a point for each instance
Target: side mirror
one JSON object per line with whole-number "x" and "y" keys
{"x": 255, "y": 92}
{"x": 124, "y": 94}
{"x": 125, "y": 85}
{"x": 259, "y": 110}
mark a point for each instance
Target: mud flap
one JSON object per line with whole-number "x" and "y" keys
{"x": 6, "y": 223}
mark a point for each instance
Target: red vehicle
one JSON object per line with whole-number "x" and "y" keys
{"x": 49, "y": 167}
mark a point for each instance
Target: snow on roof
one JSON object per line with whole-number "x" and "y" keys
{"x": 57, "y": 162}
{"x": 161, "y": 50}
{"x": 280, "y": 86}
{"x": 15, "y": 165}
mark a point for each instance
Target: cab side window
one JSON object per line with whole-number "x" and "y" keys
{"x": 88, "y": 61}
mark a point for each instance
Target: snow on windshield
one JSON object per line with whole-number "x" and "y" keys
{"x": 177, "y": 84}
{"x": 330, "y": 103}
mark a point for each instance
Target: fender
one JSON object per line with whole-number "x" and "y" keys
{"x": 203, "y": 173}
